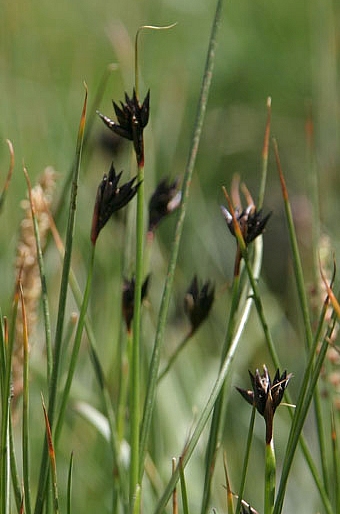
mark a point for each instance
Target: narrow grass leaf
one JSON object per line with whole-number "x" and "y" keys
{"x": 155, "y": 359}
{"x": 297, "y": 265}
{"x": 45, "y": 302}
{"x": 106, "y": 399}
{"x": 270, "y": 475}
{"x": 62, "y": 306}
{"x": 5, "y": 471}
{"x": 336, "y": 463}
{"x": 25, "y": 411}
{"x": 51, "y": 453}
{"x": 9, "y": 174}
{"x": 69, "y": 485}
{"x": 246, "y": 460}
{"x": 184, "y": 494}
{"x": 230, "y": 496}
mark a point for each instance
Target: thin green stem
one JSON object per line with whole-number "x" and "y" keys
{"x": 53, "y": 385}
{"x": 246, "y": 461}
{"x": 219, "y": 407}
{"x": 265, "y": 151}
{"x": 336, "y": 463}
{"x": 204, "y": 417}
{"x": 119, "y": 470}
{"x": 16, "y": 482}
{"x": 308, "y": 386}
{"x": 154, "y": 366}
{"x": 183, "y": 488}
{"x": 174, "y": 356}
{"x": 25, "y": 413}
{"x": 135, "y": 361}
{"x": 297, "y": 266}
{"x": 46, "y": 309}
{"x": 69, "y": 485}
{"x": 270, "y": 474}
{"x": 123, "y": 386}
{"x": 75, "y": 349}
{"x": 319, "y": 417}
{"x": 5, "y": 472}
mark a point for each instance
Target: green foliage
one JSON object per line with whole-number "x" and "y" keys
{"x": 125, "y": 400}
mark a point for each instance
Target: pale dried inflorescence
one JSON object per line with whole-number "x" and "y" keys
{"x": 27, "y": 265}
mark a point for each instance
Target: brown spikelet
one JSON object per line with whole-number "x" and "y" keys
{"x": 27, "y": 265}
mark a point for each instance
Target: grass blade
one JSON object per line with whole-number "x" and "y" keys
{"x": 51, "y": 453}
{"x": 61, "y": 308}
{"x": 69, "y": 485}
{"x": 25, "y": 412}
{"x": 9, "y": 174}
{"x": 155, "y": 359}
{"x": 8, "y": 341}
{"x": 46, "y": 309}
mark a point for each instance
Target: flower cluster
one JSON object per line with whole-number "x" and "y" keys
{"x": 164, "y": 200}
{"x": 251, "y": 222}
{"x": 266, "y": 396}
{"x": 128, "y": 298}
{"x": 132, "y": 118}
{"x": 110, "y": 198}
{"x": 198, "y": 302}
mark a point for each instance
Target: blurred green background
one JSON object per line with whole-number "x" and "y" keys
{"x": 287, "y": 50}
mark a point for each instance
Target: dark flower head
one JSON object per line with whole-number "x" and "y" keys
{"x": 266, "y": 396}
{"x": 110, "y": 198}
{"x": 132, "y": 118}
{"x": 198, "y": 302}
{"x": 128, "y": 298}
{"x": 250, "y": 220}
{"x": 165, "y": 199}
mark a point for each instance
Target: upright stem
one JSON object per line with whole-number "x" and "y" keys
{"x": 135, "y": 371}
{"x": 270, "y": 473}
{"x": 202, "y": 104}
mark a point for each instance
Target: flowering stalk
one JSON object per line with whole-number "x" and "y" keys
{"x": 132, "y": 118}
{"x": 135, "y": 378}
{"x": 270, "y": 474}
{"x": 197, "y": 304}
{"x": 266, "y": 396}
{"x": 155, "y": 359}
{"x": 54, "y": 382}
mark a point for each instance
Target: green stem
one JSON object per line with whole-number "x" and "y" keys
{"x": 75, "y": 350}
{"x": 297, "y": 266}
{"x": 7, "y": 344}
{"x": 69, "y": 485}
{"x": 270, "y": 474}
{"x": 154, "y": 366}
{"x": 135, "y": 364}
{"x": 25, "y": 414}
{"x": 174, "y": 356}
{"x": 219, "y": 407}
{"x": 53, "y": 385}
{"x": 46, "y": 309}
{"x": 201, "y": 423}
{"x": 246, "y": 461}
{"x": 306, "y": 395}
{"x": 125, "y": 362}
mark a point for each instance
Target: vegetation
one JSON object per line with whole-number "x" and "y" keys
{"x": 145, "y": 330}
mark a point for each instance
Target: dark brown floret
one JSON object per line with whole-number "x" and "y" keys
{"x": 110, "y": 198}
{"x": 266, "y": 396}
{"x": 128, "y": 298}
{"x": 198, "y": 302}
{"x": 132, "y": 118}
{"x": 164, "y": 200}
